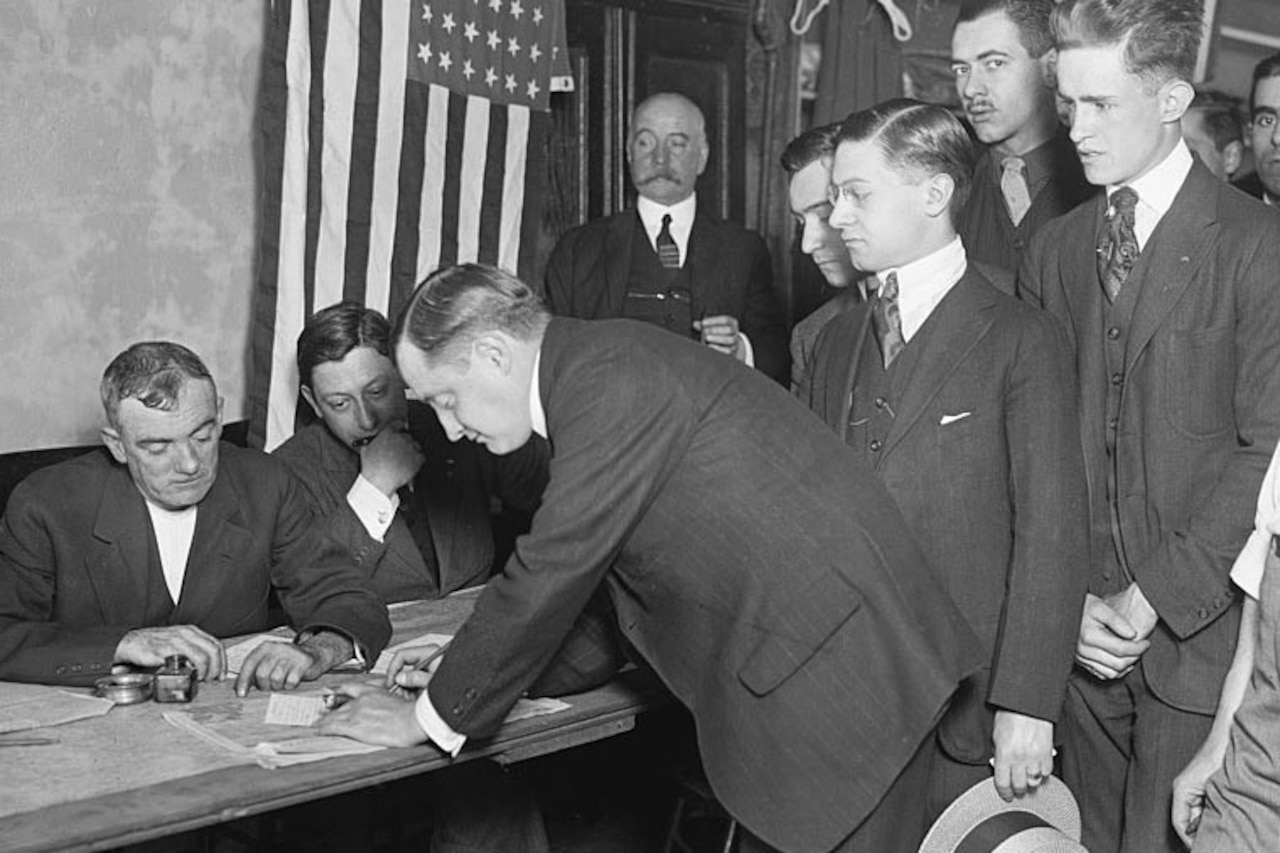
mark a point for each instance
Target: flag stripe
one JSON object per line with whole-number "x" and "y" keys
{"x": 452, "y": 180}
{"x": 430, "y": 227}
{"x": 318, "y": 34}
{"x": 342, "y": 54}
{"x": 475, "y": 147}
{"x": 513, "y": 188}
{"x": 364, "y": 151}
{"x": 405, "y": 253}
{"x": 495, "y": 198}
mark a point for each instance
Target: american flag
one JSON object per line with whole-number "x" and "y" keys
{"x": 398, "y": 136}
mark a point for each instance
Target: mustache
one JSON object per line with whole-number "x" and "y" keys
{"x": 661, "y": 175}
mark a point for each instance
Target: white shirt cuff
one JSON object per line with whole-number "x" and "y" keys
{"x": 435, "y": 727}
{"x": 1247, "y": 571}
{"x": 375, "y": 510}
{"x": 748, "y": 354}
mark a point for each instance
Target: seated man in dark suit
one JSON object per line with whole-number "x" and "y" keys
{"x": 668, "y": 261}
{"x": 1027, "y": 173}
{"x": 807, "y": 162}
{"x": 165, "y": 541}
{"x": 1264, "y": 132}
{"x": 960, "y": 397}
{"x": 1213, "y": 131}
{"x": 753, "y": 562}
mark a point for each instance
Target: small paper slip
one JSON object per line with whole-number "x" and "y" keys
{"x": 237, "y": 653}
{"x": 384, "y": 659}
{"x": 526, "y": 708}
{"x": 25, "y": 707}
{"x": 294, "y": 709}
{"x": 272, "y": 754}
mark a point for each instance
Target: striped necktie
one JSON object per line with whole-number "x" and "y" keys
{"x": 1013, "y": 186}
{"x": 668, "y": 251}
{"x": 887, "y": 320}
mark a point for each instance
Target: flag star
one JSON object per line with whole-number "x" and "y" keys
{"x": 511, "y": 82}
{"x": 494, "y": 40}
{"x": 426, "y": 12}
{"x": 490, "y": 77}
{"x": 470, "y": 31}
{"x": 424, "y": 53}
{"x": 447, "y": 23}
{"x": 516, "y": 9}
{"x": 495, "y": 5}
{"x": 445, "y": 62}
{"x": 537, "y": 14}
{"x": 513, "y": 46}
{"x": 467, "y": 70}
{"x": 534, "y": 53}
{"x": 533, "y": 89}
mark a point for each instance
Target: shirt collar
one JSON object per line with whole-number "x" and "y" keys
{"x": 682, "y": 214}
{"x": 923, "y": 283}
{"x": 1157, "y": 189}
{"x": 537, "y": 415}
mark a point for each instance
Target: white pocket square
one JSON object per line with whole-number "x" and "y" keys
{"x": 950, "y": 419}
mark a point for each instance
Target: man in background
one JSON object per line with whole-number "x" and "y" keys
{"x": 807, "y": 162}
{"x": 668, "y": 261}
{"x": 1264, "y": 132}
{"x": 1028, "y": 173}
{"x": 1166, "y": 285}
{"x": 1213, "y": 131}
{"x": 165, "y": 541}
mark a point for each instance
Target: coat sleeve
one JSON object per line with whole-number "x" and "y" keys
{"x": 763, "y": 321}
{"x": 619, "y": 429}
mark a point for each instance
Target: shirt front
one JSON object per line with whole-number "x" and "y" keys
{"x": 923, "y": 283}
{"x": 1156, "y": 191}
{"x": 682, "y": 214}
{"x": 174, "y": 531}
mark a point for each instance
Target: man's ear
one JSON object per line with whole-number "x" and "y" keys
{"x": 1232, "y": 157}
{"x": 704, "y": 154}
{"x": 938, "y": 192}
{"x": 111, "y": 438}
{"x": 1175, "y": 98}
{"x": 494, "y": 349}
{"x": 1049, "y": 68}
{"x": 307, "y": 394}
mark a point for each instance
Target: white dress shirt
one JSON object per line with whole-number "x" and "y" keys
{"x": 924, "y": 282}
{"x": 682, "y": 213}
{"x": 174, "y": 531}
{"x": 1156, "y": 191}
{"x": 1249, "y": 565}
{"x": 375, "y": 510}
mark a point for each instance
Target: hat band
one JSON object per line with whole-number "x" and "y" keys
{"x": 997, "y": 829}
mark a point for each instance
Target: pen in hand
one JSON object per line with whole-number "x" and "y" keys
{"x": 394, "y": 679}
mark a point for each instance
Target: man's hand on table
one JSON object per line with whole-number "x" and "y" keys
{"x": 150, "y": 646}
{"x": 374, "y": 715}
{"x": 283, "y": 666}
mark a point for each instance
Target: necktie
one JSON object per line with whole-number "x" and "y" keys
{"x": 887, "y": 320}
{"x": 1118, "y": 246}
{"x": 668, "y": 251}
{"x": 1013, "y": 186}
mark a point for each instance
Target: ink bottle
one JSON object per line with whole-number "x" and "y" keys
{"x": 176, "y": 680}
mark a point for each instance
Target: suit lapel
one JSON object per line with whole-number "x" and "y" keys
{"x": 222, "y": 534}
{"x": 955, "y": 327}
{"x": 118, "y": 566}
{"x": 704, "y": 272}
{"x": 618, "y": 247}
{"x": 848, "y": 335}
{"x": 1181, "y": 239}
{"x": 1082, "y": 266}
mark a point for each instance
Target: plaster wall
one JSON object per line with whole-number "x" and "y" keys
{"x": 127, "y": 198}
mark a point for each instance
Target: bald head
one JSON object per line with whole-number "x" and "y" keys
{"x": 667, "y": 147}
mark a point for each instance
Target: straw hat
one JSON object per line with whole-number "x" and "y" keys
{"x": 1047, "y": 821}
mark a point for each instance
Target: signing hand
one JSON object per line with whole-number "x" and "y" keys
{"x": 373, "y": 716}
{"x": 1109, "y": 645}
{"x": 391, "y": 459}
{"x": 721, "y": 334}
{"x": 1023, "y": 753}
{"x": 150, "y": 646}
{"x": 403, "y": 670}
{"x": 281, "y": 666}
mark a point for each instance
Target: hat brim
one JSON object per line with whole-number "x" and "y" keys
{"x": 1051, "y": 801}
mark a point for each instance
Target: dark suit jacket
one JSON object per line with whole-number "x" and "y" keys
{"x": 754, "y": 563}
{"x": 450, "y": 489}
{"x": 77, "y": 551}
{"x": 728, "y": 265}
{"x": 983, "y": 458}
{"x": 1198, "y": 417}
{"x": 1250, "y": 184}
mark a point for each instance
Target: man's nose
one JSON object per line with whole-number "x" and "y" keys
{"x": 972, "y": 84}
{"x": 185, "y": 459}
{"x": 366, "y": 417}
{"x": 810, "y": 240}
{"x": 452, "y": 429}
{"x": 840, "y": 214}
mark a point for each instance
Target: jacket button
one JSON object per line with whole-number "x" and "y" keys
{"x": 457, "y": 710}
{"x": 875, "y": 444}
{"x": 60, "y": 670}
{"x": 880, "y": 402}
{"x": 75, "y": 667}
{"x": 471, "y": 693}
{"x": 1113, "y": 333}
{"x": 1113, "y": 423}
{"x": 1117, "y": 378}
{"x": 1203, "y": 612}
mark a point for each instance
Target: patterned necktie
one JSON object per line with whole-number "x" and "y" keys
{"x": 888, "y": 321}
{"x": 1013, "y": 186}
{"x": 668, "y": 251}
{"x": 1118, "y": 247}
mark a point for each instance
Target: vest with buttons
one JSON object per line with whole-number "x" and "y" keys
{"x": 656, "y": 294}
{"x": 876, "y": 392}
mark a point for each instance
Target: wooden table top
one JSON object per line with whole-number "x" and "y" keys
{"x": 129, "y": 776}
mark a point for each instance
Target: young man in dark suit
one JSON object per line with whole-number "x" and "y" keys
{"x": 1026, "y": 172}
{"x": 669, "y": 261}
{"x": 165, "y": 541}
{"x": 753, "y": 562}
{"x": 960, "y": 398}
{"x": 1166, "y": 285}
{"x": 1264, "y": 132}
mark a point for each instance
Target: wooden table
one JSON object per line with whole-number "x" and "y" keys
{"x": 129, "y": 776}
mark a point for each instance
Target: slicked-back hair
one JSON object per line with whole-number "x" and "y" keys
{"x": 1161, "y": 37}
{"x": 335, "y": 331}
{"x": 151, "y": 372}
{"x": 455, "y": 305}
{"x": 1031, "y": 17}
{"x": 917, "y": 139}
{"x": 1269, "y": 67}
{"x": 809, "y": 147}
{"x": 1220, "y": 116}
